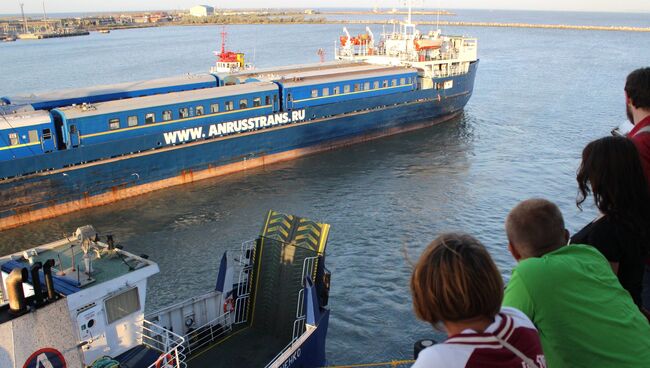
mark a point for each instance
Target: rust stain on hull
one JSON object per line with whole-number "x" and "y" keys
{"x": 120, "y": 192}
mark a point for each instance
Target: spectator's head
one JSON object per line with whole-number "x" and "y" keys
{"x": 637, "y": 94}
{"x": 611, "y": 170}
{"x": 456, "y": 280}
{"x": 535, "y": 227}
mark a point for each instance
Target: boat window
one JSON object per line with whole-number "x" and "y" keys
{"x": 357, "y": 86}
{"x": 375, "y": 85}
{"x": 243, "y": 103}
{"x": 402, "y": 81}
{"x": 47, "y": 134}
{"x": 314, "y": 92}
{"x": 267, "y": 100}
{"x": 346, "y": 88}
{"x": 393, "y": 82}
{"x": 114, "y": 124}
{"x": 150, "y": 118}
{"x": 33, "y": 136}
{"x": 214, "y": 108}
{"x": 336, "y": 90}
{"x": 132, "y": 121}
{"x": 326, "y": 91}
{"x": 183, "y": 112}
{"x": 229, "y": 105}
{"x": 122, "y": 305}
{"x": 167, "y": 115}
{"x": 366, "y": 86}
{"x": 199, "y": 110}
{"x": 257, "y": 101}
{"x": 384, "y": 83}
{"x": 13, "y": 139}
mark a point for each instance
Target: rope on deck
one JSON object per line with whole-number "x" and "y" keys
{"x": 392, "y": 363}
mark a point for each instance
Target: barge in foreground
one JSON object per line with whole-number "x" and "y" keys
{"x": 80, "y": 302}
{"x": 75, "y": 149}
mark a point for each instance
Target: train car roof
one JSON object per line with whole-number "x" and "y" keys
{"x": 23, "y": 119}
{"x": 283, "y": 70}
{"x": 136, "y": 103}
{"x": 342, "y": 77}
{"x": 110, "y": 88}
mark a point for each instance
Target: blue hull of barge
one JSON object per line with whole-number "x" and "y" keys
{"x": 57, "y": 178}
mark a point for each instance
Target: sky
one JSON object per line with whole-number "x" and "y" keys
{"x": 36, "y": 6}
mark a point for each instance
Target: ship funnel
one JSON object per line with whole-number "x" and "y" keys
{"x": 49, "y": 282}
{"x": 36, "y": 283}
{"x": 17, "y": 303}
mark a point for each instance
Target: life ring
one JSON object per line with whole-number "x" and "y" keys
{"x": 228, "y": 305}
{"x": 165, "y": 361}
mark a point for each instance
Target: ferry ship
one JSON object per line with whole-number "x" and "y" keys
{"x": 64, "y": 151}
{"x": 81, "y": 302}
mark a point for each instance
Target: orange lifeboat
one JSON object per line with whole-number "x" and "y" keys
{"x": 427, "y": 44}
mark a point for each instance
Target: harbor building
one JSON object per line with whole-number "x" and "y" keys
{"x": 201, "y": 11}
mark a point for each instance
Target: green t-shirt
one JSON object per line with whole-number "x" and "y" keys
{"x": 584, "y": 316}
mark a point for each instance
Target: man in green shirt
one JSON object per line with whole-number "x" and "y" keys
{"x": 584, "y": 316}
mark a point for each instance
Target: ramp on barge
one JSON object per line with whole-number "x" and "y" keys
{"x": 289, "y": 249}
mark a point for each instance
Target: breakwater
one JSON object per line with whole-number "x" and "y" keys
{"x": 510, "y": 25}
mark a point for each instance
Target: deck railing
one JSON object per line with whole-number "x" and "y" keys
{"x": 169, "y": 344}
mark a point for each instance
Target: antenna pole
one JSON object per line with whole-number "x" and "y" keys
{"x": 44, "y": 13}
{"x": 22, "y": 11}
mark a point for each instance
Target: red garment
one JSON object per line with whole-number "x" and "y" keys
{"x": 642, "y": 143}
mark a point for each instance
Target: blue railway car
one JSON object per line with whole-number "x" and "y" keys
{"x": 26, "y": 134}
{"x": 144, "y": 123}
{"x": 344, "y": 85}
{"x": 51, "y": 100}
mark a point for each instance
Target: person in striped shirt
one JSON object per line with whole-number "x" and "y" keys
{"x": 458, "y": 289}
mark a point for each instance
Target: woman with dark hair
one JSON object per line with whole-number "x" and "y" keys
{"x": 612, "y": 172}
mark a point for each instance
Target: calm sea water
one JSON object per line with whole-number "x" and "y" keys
{"x": 540, "y": 96}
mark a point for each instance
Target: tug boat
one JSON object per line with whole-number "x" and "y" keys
{"x": 81, "y": 302}
{"x": 74, "y": 149}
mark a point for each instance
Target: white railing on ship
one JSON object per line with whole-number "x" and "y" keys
{"x": 243, "y": 283}
{"x": 208, "y": 332}
{"x": 169, "y": 344}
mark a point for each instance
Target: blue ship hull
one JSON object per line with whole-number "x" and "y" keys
{"x": 58, "y": 184}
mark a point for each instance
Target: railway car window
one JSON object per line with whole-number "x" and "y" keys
{"x": 402, "y": 81}
{"x": 257, "y": 101}
{"x": 275, "y": 99}
{"x": 289, "y": 98}
{"x": 113, "y": 124}
{"x": 167, "y": 115}
{"x": 150, "y": 118}
{"x": 384, "y": 83}
{"x": 366, "y": 86}
{"x": 375, "y": 85}
{"x": 13, "y": 139}
{"x": 229, "y": 105}
{"x": 267, "y": 100}
{"x": 393, "y": 82}
{"x": 408, "y": 80}
{"x": 199, "y": 110}
{"x": 214, "y": 108}
{"x": 33, "y": 136}
{"x": 243, "y": 103}
{"x": 346, "y": 88}
{"x": 314, "y": 92}
{"x": 336, "y": 90}
{"x": 357, "y": 86}
{"x": 47, "y": 134}
{"x": 132, "y": 121}
{"x": 184, "y": 112}
{"x": 326, "y": 91}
